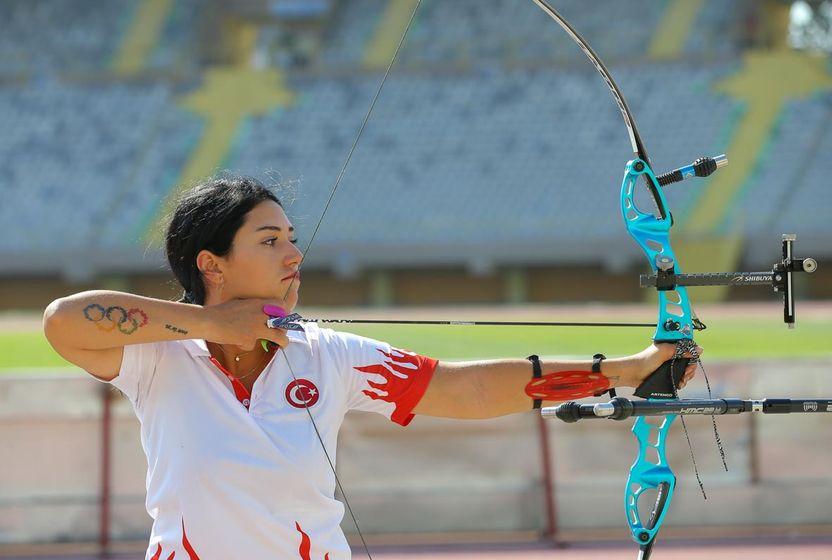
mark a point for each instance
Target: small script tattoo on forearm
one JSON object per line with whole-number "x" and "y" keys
{"x": 115, "y": 317}
{"x": 175, "y": 329}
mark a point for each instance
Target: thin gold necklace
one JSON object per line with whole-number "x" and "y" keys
{"x": 238, "y": 356}
{"x": 255, "y": 366}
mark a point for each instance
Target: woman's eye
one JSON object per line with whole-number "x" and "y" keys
{"x": 272, "y": 240}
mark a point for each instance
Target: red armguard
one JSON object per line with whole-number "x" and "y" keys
{"x": 566, "y": 385}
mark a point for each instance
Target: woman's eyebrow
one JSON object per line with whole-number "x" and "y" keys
{"x": 274, "y": 228}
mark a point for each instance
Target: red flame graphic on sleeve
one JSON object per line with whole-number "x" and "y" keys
{"x": 406, "y": 378}
{"x": 159, "y": 553}
{"x": 305, "y": 547}
{"x": 192, "y": 555}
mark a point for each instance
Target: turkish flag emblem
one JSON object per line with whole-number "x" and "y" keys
{"x": 302, "y": 393}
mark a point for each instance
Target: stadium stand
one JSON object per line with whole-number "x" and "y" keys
{"x": 481, "y": 30}
{"x": 720, "y": 32}
{"x": 350, "y": 31}
{"x": 50, "y": 36}
{"x": 470, "y": 139}
{"x": 512, "y": 30}
{"x": 791, "y": 190}
{"x": 526, "y": 138}
{"x": 176, "y": 46}
{"x": 83, "y": 162}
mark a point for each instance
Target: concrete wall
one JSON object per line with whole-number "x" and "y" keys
{"x": 437, "y": 475}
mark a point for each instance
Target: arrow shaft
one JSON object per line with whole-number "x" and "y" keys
{"x": 458, "y": 323}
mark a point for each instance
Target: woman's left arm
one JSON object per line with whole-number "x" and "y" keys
{"x": 490, "y": 388}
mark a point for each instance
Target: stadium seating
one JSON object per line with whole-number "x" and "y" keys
{"x": 455, "y": 153}
{"x": 49, "y": 36}
{"x": 176, "y": 48}
{"x": 718, "y": 31}
{"x": 445, "y": 155}
{"x": 498, "y": 29}
{"x": 791, "y": 190}
{"x": 85, "y": 164}
{"x": 470, "y": 31}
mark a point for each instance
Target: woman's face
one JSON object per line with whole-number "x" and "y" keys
{"x": 263, "y": 261}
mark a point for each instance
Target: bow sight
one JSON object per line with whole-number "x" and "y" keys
{"x": 780, "y": 277}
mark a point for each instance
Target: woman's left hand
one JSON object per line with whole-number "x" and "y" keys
{"x": 651, "y": 358}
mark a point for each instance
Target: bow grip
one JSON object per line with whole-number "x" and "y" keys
{"x": 664, "y": 382}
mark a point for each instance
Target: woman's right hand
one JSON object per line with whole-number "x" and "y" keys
{"x": 242, "y": 322}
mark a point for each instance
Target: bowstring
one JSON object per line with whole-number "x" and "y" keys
{"x": 305, "y": 253}
{"x": 683, "y": 346}
{"x": 717, "y": 438}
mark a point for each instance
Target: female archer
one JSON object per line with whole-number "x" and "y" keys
{"x": 235, "y": 467}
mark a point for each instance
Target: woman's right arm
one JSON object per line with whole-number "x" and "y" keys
{"x": 90, "y": 329}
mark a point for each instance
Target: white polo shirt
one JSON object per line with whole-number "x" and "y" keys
{"x": 226, "y": 481}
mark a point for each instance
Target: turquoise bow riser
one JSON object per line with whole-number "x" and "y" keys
{"x": 652, "y": 233}
{"x": 650, "y": 471}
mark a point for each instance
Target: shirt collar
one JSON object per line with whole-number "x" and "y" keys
{"x": 198, "y": 347}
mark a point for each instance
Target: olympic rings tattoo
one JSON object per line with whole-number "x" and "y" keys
{"x": 115, "y": 317}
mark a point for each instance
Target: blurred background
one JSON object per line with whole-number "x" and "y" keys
{"x": 486, "y": 186}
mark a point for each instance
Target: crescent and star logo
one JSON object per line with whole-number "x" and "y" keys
{"x": 302, "y": 393}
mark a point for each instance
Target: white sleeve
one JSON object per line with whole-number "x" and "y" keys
{"x": 138, "y": 366}
{"x": 378, "y": 377}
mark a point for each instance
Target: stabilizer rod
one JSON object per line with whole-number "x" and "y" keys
{"x": 621, "y": 408}
{"x": 702, "y": 167}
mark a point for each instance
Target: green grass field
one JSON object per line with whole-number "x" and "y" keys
{"x": 724, "y": 339}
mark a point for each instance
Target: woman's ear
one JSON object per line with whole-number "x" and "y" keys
{"x": 210, "y": 267}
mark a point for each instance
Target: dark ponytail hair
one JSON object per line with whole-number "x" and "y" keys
{"x": 208, "y": 217}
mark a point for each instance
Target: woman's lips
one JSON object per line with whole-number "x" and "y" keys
{"x": 293, "y": 276}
